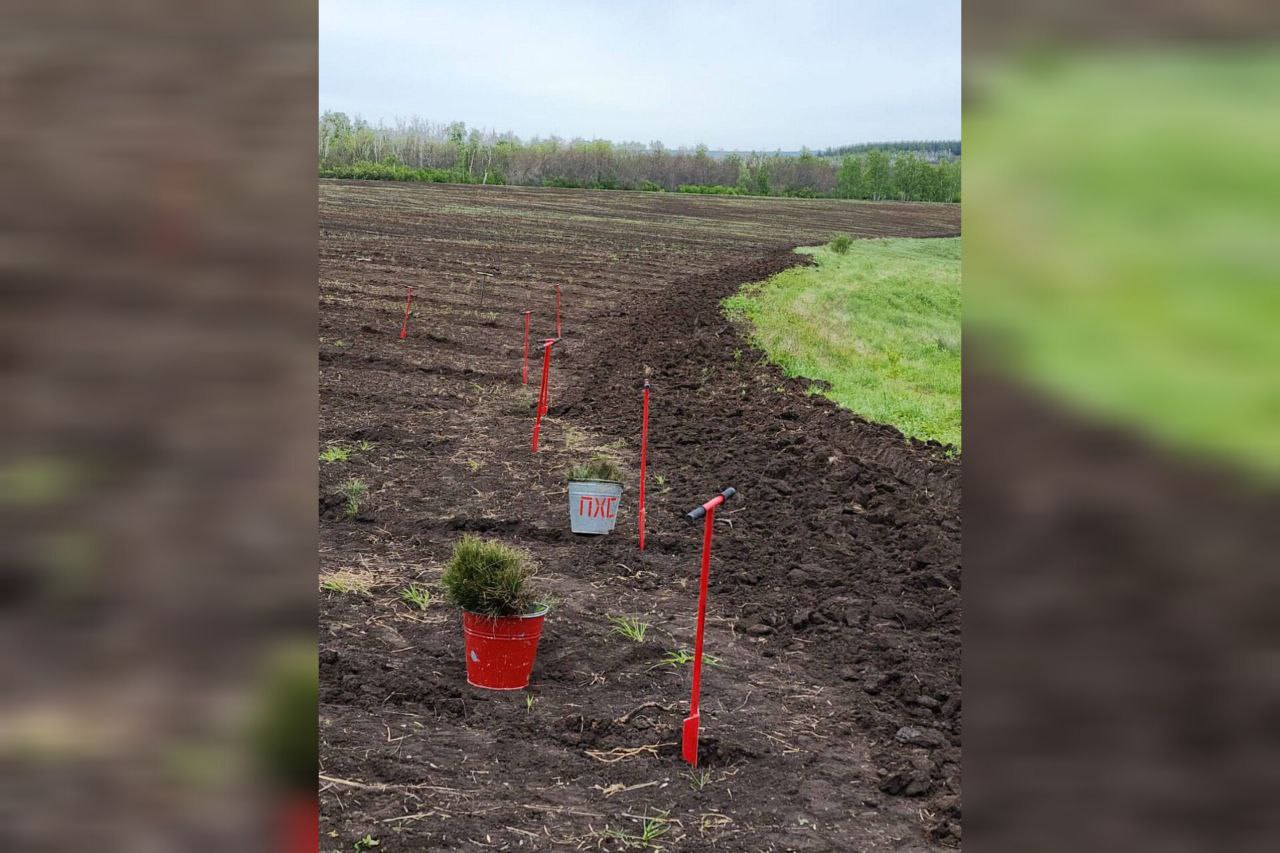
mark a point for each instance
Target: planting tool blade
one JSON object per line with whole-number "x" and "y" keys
{"x": 689, "y": 742}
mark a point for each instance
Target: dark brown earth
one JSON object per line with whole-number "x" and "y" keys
{"x": 832, "y": 721}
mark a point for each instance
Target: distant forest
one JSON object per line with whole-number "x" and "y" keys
{"x": 932, "y": 150}
{"x": 419, "y": 150}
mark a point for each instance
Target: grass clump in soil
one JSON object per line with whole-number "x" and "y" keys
{"x": 651, "y": 829}
{"x": 417, "y": 597}
{"x": 631, "y": 628}
{"x": 489, "y": 578}
{"x": 880, "y": 324}
{"x": 347, "y": 582}
{"x": 335, "y": 454}
{"x": 354, "y": 491}
{"x": 600, "y": 468}
{"x": 679, "y": 657}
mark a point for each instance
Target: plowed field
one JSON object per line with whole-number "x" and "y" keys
{"x": 832, "y": 720}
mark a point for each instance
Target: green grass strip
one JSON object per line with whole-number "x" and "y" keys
{"x": 880, "y": 323}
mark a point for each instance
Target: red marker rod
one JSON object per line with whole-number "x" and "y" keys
{"x": 559, "y": 334}
{"x": 543, "y": 393}
{"x": 689, "y": 741}
{"x": 644, "y": 443}
{"x": 404, "y": 327}
{"x": 524, "y": 371}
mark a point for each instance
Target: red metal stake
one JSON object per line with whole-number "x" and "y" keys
{"x": 404, "y": 327}
{"x": 542, "y": 395}
{"x": 559, "y": 334}
{"x": 524, "y": 371}
{"x": 644, "y": 442}
{"x": 689, "y": 741}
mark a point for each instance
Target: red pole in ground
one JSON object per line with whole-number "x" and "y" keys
{"x": 689, "y": 742}
{"x": 545, "y": 393}
{"x": 559, "y": 334}
{"x": 644, "y": 442}
{"x": 542, "y": 395}
{"x": 404, "y": 327}
{"x": 524, "y": 371}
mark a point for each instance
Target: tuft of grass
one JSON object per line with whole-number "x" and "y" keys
{"x": 335, "y": 453}
{"x": 600, "y": 468}
{"x": 840, "y": 244}
{"x": 489, "y": 578}
{"x": 347, "y": 582}
{"x": 699, "y": 779}
{"x": 632, "y": 629}
{"x": 416, "y": 596}
{"x": 528, "y": 702}
{"x": 880, "y": 323}
{"x": 354, "y": 491}
{"x": 651, "y": 829}
{"x": 680, "y": 657}
{"x": 365, "y": 445}
{"x": 367, "y": 843}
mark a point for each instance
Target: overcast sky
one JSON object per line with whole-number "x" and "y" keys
{"x": 760, "y": 74}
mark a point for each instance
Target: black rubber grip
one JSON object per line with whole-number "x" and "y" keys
{"x": 698, "y": 513}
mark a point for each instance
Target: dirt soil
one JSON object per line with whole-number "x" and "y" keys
{"x": 831, "y": 720}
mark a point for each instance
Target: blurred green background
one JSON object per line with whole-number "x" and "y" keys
{"x": 1122, "y": 238}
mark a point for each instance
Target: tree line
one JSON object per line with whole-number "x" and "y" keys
{"x": 932, "y": 150}
{"x": 418, "y": 150}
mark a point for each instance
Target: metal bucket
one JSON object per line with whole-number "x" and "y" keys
{"x": 501, "y": 650}
{"x": 593, "y": 505}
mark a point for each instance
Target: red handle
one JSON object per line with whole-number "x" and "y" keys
{"x": 710, "y": 510}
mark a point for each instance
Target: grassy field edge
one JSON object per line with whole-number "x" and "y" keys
{"x": 878, "y": 325}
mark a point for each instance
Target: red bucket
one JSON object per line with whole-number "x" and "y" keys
{"x": 300, "y": 824}
{"x": 500, "y": 650}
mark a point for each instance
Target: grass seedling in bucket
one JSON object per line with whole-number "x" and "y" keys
{"x": 595, "y": 491}
{"x": 501, "y": 615}
{"x": 283, "y": 735}
{"x": 689, "y": 740}
{"x": 404, "y": 327}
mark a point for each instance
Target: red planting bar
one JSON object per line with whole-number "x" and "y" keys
{"x": 524, "y": 371}
{"x": 543, "y": 393}
{"x": 689, "y": 742}
{"x": 644, "y": 443}
{"x": 404, "y": 327}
